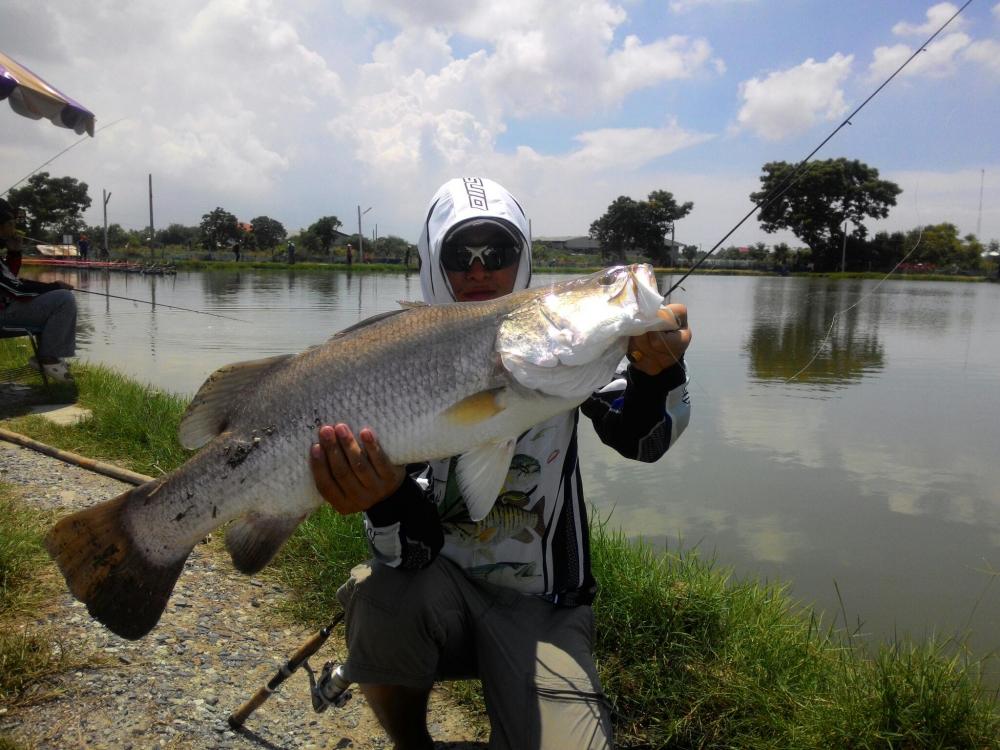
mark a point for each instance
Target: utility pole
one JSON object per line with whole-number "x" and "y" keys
{"x": 361, "y": 236}
{"x": 107, "y": 196}
{"x": 152, "y": 232}
{"x": 361, "y": 239}
{"x": 979, "y": 221}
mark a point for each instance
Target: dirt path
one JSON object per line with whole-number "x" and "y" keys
{"x": 215, "y": 646}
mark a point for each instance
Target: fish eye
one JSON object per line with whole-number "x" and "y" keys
{"x": 610, "y": 278}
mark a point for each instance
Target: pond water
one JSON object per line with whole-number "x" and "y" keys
{"x": 844, "y": 433}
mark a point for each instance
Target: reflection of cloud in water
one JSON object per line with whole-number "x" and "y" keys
{"x": 767, "y": 541}
{"x": 769, "y": 424}
{"x": 918, "y": 480}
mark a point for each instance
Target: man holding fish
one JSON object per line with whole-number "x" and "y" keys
{"x": 506, "y": 596}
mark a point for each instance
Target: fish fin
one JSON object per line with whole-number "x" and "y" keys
{"x": 539, "y": 511}
{"x": 476, "y": 408}
{"x": 106, "y": 570}
{"x": 208, "y": 413}
{"x": 481, "y": 473}
{"x": 365, "y": 323}
{"x": 524, "y": 536}
{"x": 409, "y": 304}
{"x": 487, "y": 534}
{"x": 255, "y": 538}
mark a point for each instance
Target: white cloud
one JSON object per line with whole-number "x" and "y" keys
{"x": 938, "y": 60}
{"x": 986, "y": 52}
{"x": 557, "y": 57}
{"x": 682, "y": 6}
{"x": 996, "y": 10}
{"x": 936, "y": 17}
{"x": 791, "y": 101}
{"x": 617, "y": 149}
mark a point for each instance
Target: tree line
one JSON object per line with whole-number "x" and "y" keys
{"x": 824, "y": 205}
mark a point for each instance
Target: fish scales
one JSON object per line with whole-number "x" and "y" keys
{"x": 433, "y": 381}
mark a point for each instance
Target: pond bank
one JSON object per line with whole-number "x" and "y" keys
{"x": 689, "y": 655}
{"x": 220, "y": 639}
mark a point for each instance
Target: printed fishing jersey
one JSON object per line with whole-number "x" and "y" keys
{"x": 535, "y": 539}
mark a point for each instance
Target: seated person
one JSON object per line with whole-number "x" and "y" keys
{"x": 24, "y": 302}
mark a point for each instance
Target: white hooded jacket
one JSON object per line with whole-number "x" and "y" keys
{"x": 535, "y": 539}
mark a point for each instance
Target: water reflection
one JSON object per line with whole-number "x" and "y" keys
{"x": 814, "y": 332}
{"x": 875, "y": 469}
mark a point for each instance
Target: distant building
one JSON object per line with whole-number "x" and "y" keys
{"x": 572, "y": 244}
{"x": 583, "y": 245}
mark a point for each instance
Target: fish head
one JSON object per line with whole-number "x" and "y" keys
{"x": 584, "y": 323}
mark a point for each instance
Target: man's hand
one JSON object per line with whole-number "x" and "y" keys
{"x": 352, "y": 476}
{"x": 655, "y": 351}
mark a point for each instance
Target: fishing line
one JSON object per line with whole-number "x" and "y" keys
{"x": 160, "y": 304}
{"x": 862, "y": 298}
{"x": 800, "y": 167}
{"x": 74, "y": 145}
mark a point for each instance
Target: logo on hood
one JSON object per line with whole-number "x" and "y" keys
{"x": 476, "y": 191}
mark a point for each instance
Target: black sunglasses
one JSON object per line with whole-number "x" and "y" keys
{"x": 495, "y": 256}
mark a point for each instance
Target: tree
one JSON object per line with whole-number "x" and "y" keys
{"x": 177, "y": 234}
{"x": 940, "y": 246}
{"x": 325, "y": 231}
{"x": 218, "y": 228}
{"x": 629, "y": 225}
{"x": 268, "y": 232}
{"x": 52, "y": 206}
{"x": 818, "y": 202}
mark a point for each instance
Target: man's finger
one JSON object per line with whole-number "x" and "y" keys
{"x": 325, "y": 483}
{"x": 354, "y": 456}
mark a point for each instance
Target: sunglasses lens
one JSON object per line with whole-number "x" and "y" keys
{"x": 493, "y": 257}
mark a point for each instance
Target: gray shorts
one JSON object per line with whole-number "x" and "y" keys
{"x": 414, "y": 627}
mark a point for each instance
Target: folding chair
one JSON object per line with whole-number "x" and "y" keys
{"x": 32, "y": 332}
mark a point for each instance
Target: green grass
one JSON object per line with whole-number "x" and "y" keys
{"x": 21, "y": 553}
{"x": 134, "y": 425}
{"x": 28, "y": 654}
{"x": 690, "y": 656}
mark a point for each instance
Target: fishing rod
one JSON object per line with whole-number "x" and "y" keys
{"x": 782, "y": 188}
{"x": 331, "y": 690}
{"x": 146, "y": 302}
{"x": 159, "y": 304}
{"x": 74, "y": 145}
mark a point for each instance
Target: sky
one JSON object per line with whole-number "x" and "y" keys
{"x": 306, "y": 108}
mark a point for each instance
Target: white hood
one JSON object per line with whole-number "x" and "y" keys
{"x": 462, "y": 200}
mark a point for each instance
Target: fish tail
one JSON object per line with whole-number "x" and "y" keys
{"x": 108, "y": 571}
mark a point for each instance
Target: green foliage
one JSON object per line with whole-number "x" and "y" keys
{"x": 318, "y": 559}
{"x": 268, "y": 233}
{"x": 52, "y": 206}
{"x": 939, "y": 245}
{"x": 175, "y": 234}
{"x": 219, "y": 228}
{"x": 323, "y": 232}
{"x": 391, "y": 246}
{"x": 630, "y": 226}
{"x": 117, "y": 235}
{"x": 21, "y": 552}
{"x": 816, "y": 205}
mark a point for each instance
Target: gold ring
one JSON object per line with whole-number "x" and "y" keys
{"x": 634, "y": 356}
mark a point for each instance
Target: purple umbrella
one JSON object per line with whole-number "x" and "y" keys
{"x": 32, "y": 97}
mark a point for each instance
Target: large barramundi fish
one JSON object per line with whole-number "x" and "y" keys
{"x": 432, "y": 381}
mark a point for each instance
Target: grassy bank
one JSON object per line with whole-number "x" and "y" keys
{"x": 28, "y": 653}
{"x": 690, "y": 655}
